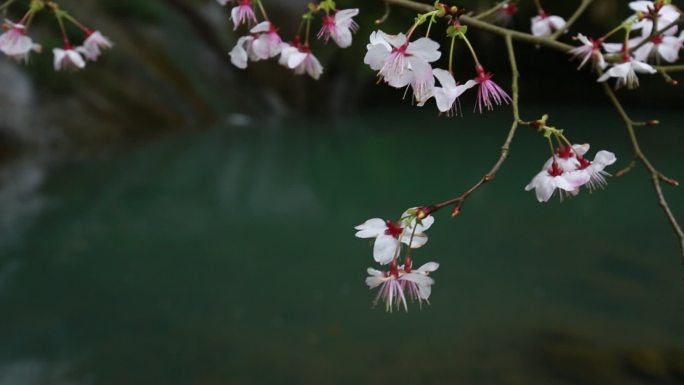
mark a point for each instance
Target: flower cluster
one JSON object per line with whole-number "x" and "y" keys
{"x": 399, "y": 282}
{"x": 657, "y": 42}
{"x": 263, "y": 41}
{"x": 404, "y": 63}
{"x": 568, "y": 169}
{"x": 16, "y": 44}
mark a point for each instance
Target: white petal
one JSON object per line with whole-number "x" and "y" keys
{"x": 605, "y": 158}
{"x": 429, "y": 267}
{"x": 384, "y": 249}
{"x": 371, "y": 228}
{"x": 425, "y": 48}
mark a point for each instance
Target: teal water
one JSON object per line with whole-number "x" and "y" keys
{"x": 227, "y": 256}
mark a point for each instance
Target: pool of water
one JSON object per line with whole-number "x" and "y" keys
{"x": 227, "y": 256}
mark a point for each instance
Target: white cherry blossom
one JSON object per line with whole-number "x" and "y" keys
{"x": 339, "y": 27}
{"x": 389, "y": 235}
{"x": 447, "y": 95}
{"x": 660, "y": 48}
{"x": 589, "y": 50}
{"x": 545, "y": 25}
{"x": 68, "y": 59}
{"x": 667, "y": 14}
{"x": 399, "y": 61}
{"x": 626, "y": 73}
{"x": 399, "y": 283}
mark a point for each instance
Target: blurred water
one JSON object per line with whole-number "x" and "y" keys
{"x": 227, "y": 256}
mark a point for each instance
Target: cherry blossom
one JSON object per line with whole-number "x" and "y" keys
{"x": 555, "y": 178}
{"x": 298, "y": 57}
{"x": 14, "y": 42}
{"x": 594, "y": 170}
{"x": 268, "y": 43}
{"x": 660, "y": 47}
{"x": 68, "y": 59}
{"x": 242, "y": 14}
{"x": 400, "y": 61}
{"x": 489, "y": 93}
{"x": 572, "y": 165}
{"x": 242, "y": 52}
{"x": 389, "y": 235}
{"x": 447, "y": 95}
{"x": 626, "y": 72}
{"x": 646, "y": 11}
{"x": 339, "y": 27}
{"x": 589, "y": 50}
{"x": 545, "y": 25}
{"x": 401, "y": 282}
{"x": 93, "y": 45}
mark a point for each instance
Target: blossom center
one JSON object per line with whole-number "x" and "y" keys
{"x": 584, "y": 163}
{"x": 245, "y": 3}
{"x": 657, "y": 40}
{"x": 555, "y": 170}
{"x": 393, "y": 229}
{"x": 564, "y": 152}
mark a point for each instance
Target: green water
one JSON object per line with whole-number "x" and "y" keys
{"x": 227, "y": 256}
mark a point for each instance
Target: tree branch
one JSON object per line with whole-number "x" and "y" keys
{"x": 656, "y": 176}
{"x": 549, "y": 42}
{"x": 505, "y": 148}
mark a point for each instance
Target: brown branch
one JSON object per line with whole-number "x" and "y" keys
{"x": 457, "y": 203}
{"x": 656, "y": 176}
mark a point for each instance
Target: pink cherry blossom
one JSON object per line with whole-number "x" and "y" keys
{"x": 298, "y": 57}
{"x": 489, "y": 93}
{"x": 243, "y": 14}
{"x": 339, "y": 27}
{"x": 14, "y": 42}
{"x": 267, "y": 43}
{"x": 93, "y": 45}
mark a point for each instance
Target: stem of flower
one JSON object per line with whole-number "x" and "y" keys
{"x": 432, "y": 20}
{"x": 262, "y": 9}
{"x": 308, "y": 28}
{"x": 75, "y": 22}
{"x": 538, "y": 5}
{"x": 6, "y": 4}
{"x": 471, "y": 49}
{"x": 451, "y": 54}
{"x": 613, "y": 31}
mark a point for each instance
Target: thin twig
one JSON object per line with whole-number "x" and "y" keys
{"x": 485, "y": 14}
{"x": 457, "y": 203}
{"x": 571, "y": 21}
{"x": 656, "y": 176}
